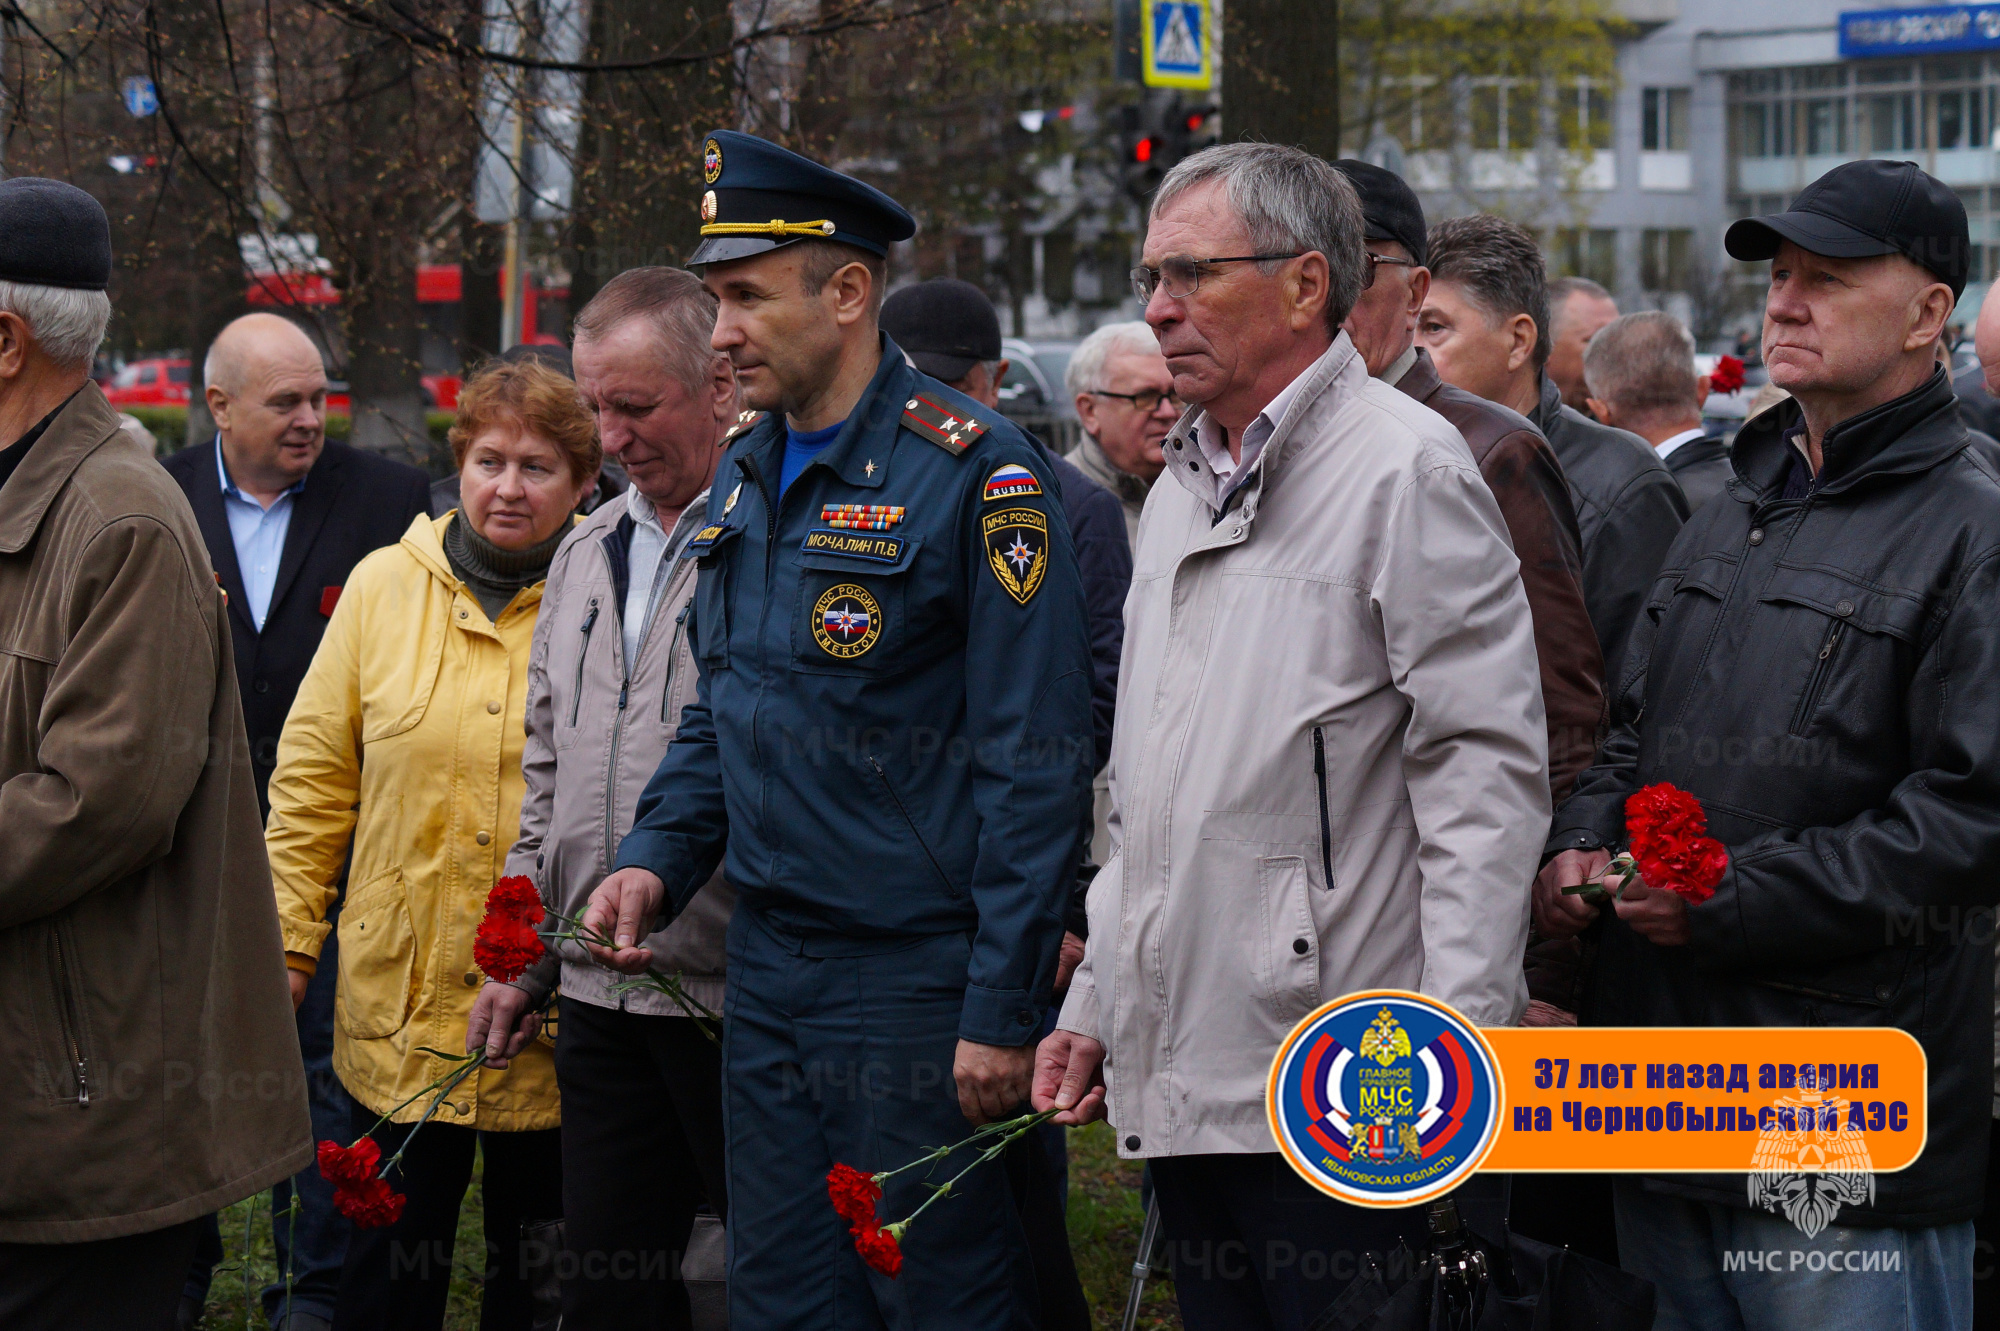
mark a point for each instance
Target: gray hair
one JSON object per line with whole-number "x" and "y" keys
{"x": 1562, "y": 288}
{"x": 676, "y": 307}
{"x": 1643, "y": 365}
{"x": 1499, "y": 265}
{"x": 68, "y": 324}
{"x": 1085, "y": 372}
{"x": 1288, "y": 200}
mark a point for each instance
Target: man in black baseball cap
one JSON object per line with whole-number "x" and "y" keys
{"x": 1820, "y": 667}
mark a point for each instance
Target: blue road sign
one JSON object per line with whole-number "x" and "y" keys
{"x": 1178, "y": 43}
{"x": 141, "y": 97}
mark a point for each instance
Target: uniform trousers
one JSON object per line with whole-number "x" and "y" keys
{"x": 642, "y": 1151}
{"x": 848, "y": 1059}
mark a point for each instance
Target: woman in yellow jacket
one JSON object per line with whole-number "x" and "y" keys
{"x": 404, "y": 747}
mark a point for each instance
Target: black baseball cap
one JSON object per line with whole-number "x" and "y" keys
{"x": 1867, "y": 208}
{"x": 945, "y": 325}
{"x": 1389, "y": 207}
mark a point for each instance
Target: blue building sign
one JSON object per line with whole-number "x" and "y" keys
{"x": 1939, "y": 30}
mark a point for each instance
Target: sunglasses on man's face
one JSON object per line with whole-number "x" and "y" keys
{"x": 1181, "y": 273}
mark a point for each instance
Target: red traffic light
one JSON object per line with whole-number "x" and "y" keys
{"x": 1195, "y": 122}
{"x": 1142, "y": 151}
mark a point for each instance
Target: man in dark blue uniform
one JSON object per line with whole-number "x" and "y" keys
{"x": 892, "y": 737}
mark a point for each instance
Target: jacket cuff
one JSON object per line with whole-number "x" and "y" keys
{"x": 1571, "y": 838}
{"x": 540, "y": 979}
{"x": 305, "y": 965}
{"x": 303, "y": 937}
{"x": 1079, "y": 1012}
{"x": 1003, "y": 1017}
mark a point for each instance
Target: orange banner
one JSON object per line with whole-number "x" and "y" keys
{"x": 1708, "y": 1100}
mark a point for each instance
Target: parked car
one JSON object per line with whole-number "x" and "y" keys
{"x": 1032, "y": 394}
{"x": 156, "y": 382}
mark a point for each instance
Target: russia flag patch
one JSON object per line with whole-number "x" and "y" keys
{"x": 1011, "y": 482}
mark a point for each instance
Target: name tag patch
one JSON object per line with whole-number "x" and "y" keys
{"x": 699, "y": 543}
{"x": 854, "y": 545}
{"x": 1012, "y": 481}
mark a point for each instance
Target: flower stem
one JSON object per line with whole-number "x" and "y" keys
{"x": 670, "y": 985}
{"x": 1006, "y": 1132}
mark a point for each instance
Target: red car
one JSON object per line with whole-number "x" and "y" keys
{"x": 151, "y": 383}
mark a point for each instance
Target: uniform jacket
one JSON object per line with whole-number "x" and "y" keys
{"x": 405, "y": 745}
{"x": 598, "y": 726}
{"x": 1701, "y": 468}
{"x": 153, "y": 1069}
{"x": 1824, "y": 674}
{"x": 1528, "y": 484}
{"x": 1131, "y": 491}
{"x": 1628, "y": 510}
{"x": 353, "y": 502}
{"x": 892, "y": 726}
{"x": 1330, "y": 765}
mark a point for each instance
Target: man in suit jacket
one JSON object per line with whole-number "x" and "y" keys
{"x": 285, "y": 516}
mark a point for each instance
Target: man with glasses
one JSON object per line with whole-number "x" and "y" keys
{"x": 1337, "y": 777}
{"x": 1125, "y": 398}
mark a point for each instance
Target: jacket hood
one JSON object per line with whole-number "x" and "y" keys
{"x": 1912, "y": 433}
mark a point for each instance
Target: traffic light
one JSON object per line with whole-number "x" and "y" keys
{"x": 1144, "y": 154}
{"x": 1202, "y": 125}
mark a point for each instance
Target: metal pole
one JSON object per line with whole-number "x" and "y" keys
{"x": 513, "y": 265}
{"x": 1142, "y": 1266}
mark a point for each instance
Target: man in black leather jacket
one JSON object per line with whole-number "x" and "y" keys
{"x": 1819, "y": 663}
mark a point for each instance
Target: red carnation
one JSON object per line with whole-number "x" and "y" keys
{"x": 878, "y": 1248}
{"x": 507, "y": 943}
{"x": 1727, "y": 376}
{"x": 370, "y": 1204}
{"x": 1670, "y": 842}
{"x": 344, "y": 1166}
{"x": 854, "y": 1195}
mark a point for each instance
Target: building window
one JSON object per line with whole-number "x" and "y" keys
{"x": 1958, "y": 118}
{"x": 1665, "y": 259}
{"x": 1888, "y": 123}
{"x": 1591, "y": 253}
{"x": 1664, "y": 126}
{"x": 1503, "y": 114}
{"x": 1585, "y": 117}
{"x": 1826, "y": 126}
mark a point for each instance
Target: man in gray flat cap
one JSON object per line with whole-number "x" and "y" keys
{"x": 141, "y": 972}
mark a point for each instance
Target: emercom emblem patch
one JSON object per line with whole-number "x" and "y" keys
{"x": 1017, "y": 549}
{"x": 846, "y": 621}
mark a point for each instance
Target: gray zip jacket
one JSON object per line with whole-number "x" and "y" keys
{"x": 597, "y": 727}
{"x": 1329, "y": 769}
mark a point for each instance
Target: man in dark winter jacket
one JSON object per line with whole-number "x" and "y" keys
{"x": 1486, "y": 325}
{"x": 1819, "y": 663}
{"x": 1642, "y": 378}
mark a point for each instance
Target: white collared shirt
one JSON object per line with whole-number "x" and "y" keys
{"x": 258, "y": 533}
{"x": 1214, "y": 443}
{"x": 1666, "y": 446}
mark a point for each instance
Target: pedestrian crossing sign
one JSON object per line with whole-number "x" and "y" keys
{"x": 1176, "y": 42}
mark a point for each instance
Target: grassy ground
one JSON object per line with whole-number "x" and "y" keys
{"x": 1104, "y": 1221}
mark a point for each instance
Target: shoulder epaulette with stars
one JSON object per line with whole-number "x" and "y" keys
{"x": 745, "y": 421}
{"x": 954, "y": 434}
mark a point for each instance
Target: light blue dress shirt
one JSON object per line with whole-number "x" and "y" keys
{"x": 259, "y": 536}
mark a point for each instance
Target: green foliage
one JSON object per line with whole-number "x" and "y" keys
{"x": 1105, "y": 1218}
{"x": 169, "y": 426}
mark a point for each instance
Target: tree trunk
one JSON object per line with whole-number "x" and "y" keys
{"x": 638, "y": 170}
{"x": 1279, "y": 73}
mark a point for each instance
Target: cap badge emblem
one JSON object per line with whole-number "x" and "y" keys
{"x": 708, "y": 206}
{"x": 711, "y": 161}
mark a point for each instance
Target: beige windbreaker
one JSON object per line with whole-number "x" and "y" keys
{"x": 1329, "y": 771}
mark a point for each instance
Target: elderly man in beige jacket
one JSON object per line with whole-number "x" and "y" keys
{"x": 1329, "y": 771}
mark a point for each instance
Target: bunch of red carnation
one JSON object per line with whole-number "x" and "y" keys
{"x": 359, "y": 1193}
{"x": 1670, "y": 845}
{"x": 1727, "y": 376}
{"x": 854, "y": 1196}
{"x": 507, "y": 942}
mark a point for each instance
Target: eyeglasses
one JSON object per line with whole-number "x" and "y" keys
{"x": 1182, "y": 273}
{"x": 1146, "y": 400}
{"x": 1375, "y": 262}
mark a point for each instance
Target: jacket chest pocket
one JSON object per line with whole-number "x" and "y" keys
{"x": 1851, "y": 649}
{"x": 716, "y": 552}
{"x": 567, "y": 675}
{"x": 851, "y": 613}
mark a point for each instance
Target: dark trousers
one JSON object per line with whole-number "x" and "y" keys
{"x": 398, "y": 1278}
{"x": 642, "y": 1099}
{"x": 1037, "y": 1172}
{"x": 124, "y": 1284}
{"x": 315, "y": 1240}
{"x": 846, "y": 1058}
{"x": 1569, "y": 1211}
{"x": 1986, "y": 1245}
{"x": 1255, "y": 1246}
